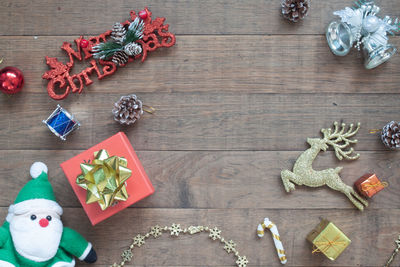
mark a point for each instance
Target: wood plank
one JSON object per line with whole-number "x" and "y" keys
{"x": 111, "y": 237}
{"x": 200, "y": 121}
{"x": 256, "y": 64}
{"x": 42, "y": 17}
{"x": 233, "y": 180}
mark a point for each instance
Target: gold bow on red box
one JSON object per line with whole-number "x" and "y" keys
{"x": 104, "y": 179}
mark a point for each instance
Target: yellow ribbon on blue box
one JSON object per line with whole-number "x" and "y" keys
{"x": 328, "y": 239}
{"x": 104, "y": 179}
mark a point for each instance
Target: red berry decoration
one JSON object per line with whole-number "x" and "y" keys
{"x": 11, "y": 80}
{"x": 84, "y": 43}
{"x": 143, "y": 14}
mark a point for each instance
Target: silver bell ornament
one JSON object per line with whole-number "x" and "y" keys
{"x": 360, "y": 27}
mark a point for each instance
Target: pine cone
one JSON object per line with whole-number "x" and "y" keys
{"x": 294, "y": 10}
{"x": 120, "y": 58}
{"x": 118, "y": 33}
{"x": 128, "y": 109}
{"x": 391, "y": 135}
{"x": 133, "y": 49}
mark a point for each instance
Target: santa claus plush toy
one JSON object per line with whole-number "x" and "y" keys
{"x": 33, "y": 234}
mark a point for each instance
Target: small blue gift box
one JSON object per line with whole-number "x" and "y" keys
{"x": 61, "y": 122}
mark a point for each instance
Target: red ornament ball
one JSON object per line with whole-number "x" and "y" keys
{"x": 11, "y": 80}
{"x": 143, "y": 14}
{"x": 84, "y": 43}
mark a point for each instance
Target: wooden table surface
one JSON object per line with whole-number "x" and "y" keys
{"x": 236, "y": 98}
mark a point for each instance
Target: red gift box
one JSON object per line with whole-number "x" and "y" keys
{"x": 138, "y": 185}
{"x": 369, "y": 184}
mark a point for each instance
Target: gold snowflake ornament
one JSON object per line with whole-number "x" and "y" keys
{"x": 139, "y": 240}
{"x": 175, "y": 229}
{"x": 215, "y": 233}
{"x": 397, "y": 242}
{"x": 156, "y": 231}
{"x": 229, "y": 246}
{"x": 127, "y": 255}
{"x": 242, "y": 261}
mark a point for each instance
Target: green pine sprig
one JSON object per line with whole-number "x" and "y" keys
{"x": 135, "y": 31}
{"x": 106, "y": 50}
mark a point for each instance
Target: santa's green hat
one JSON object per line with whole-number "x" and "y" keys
{"x": 36, "y": 195}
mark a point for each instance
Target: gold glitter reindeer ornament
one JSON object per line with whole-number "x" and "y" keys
{"x": 304, "y": 174}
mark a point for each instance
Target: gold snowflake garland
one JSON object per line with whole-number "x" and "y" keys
{"x": 175, "y": 230}
{"x": 397, "y": 242}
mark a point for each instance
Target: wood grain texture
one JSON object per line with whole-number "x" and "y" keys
{"x": 236, "y": 98}
{"x": 42, "y": 17}
{"x": 200, "y": 121}
{"x": 217, "y": 180}
{"x": 251, "y": 64}
{"x": 240, "y": 226}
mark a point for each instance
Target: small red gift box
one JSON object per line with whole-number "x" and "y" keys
{"x": 138, "y": 185}
{"x": 369, "y": 184}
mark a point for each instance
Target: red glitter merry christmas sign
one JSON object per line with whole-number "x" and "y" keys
{"x": 154, "y": 35}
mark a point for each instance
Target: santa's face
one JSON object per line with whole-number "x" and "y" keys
{"x": 36, "y": 235}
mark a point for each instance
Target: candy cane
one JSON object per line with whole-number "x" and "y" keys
{"x": 275, "y": 234}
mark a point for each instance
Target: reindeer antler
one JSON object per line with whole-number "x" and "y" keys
{"x": 339, "y": 140}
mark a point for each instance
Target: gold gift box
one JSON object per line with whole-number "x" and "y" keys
{"x": 328, "y": 239}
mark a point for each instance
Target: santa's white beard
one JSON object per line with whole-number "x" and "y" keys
{"x": 34, "y": 242}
